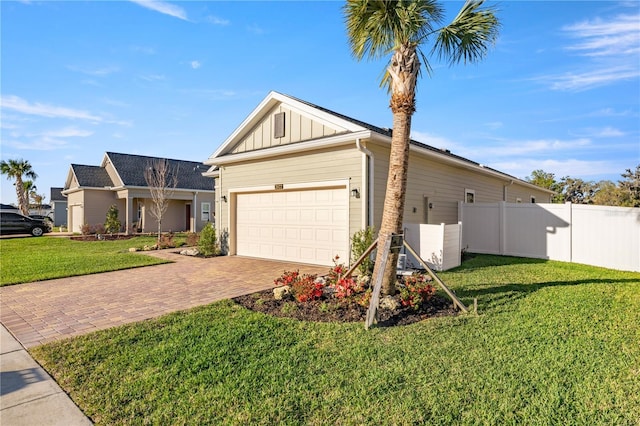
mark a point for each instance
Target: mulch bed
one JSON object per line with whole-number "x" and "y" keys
{"x": 341, "y": 311}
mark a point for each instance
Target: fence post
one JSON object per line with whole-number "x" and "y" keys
{"x": 502, "y": 205}
{"x": 570, "y": 207}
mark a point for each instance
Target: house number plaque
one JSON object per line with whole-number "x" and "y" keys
{"x": 279, "y": 186}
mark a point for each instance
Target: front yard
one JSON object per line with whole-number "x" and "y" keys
{"x": 35, "y": 259}
{"x": 553, "y": 343}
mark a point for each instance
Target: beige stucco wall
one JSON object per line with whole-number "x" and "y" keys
{"x": 94, "y": 204}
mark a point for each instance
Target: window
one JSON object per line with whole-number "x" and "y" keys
{"x": 469, "y": 196}
{"x": 205, "y": 210}
{"x": 278, "y": 125}
{"x": 533, "y": 199}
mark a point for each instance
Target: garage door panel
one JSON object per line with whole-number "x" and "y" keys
{"x": 308, "y": 226}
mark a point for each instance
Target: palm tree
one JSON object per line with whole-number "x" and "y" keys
{"x": 377, "y": 28}
{"x": 16, "y": 169}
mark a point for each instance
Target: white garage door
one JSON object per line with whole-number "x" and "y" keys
{"x": 310, "y": 226}
{"x": 77, "y": 218}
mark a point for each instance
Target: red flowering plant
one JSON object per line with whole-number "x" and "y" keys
{"x": 343, "y": 287}
{"x": 306, "y": 288}
{"x": 303, "y": 287}
{"x": 287, "y": 278}
{"x": 416, "y": 290}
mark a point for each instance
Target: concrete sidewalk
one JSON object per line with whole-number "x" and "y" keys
{"x": 28, "y": 395}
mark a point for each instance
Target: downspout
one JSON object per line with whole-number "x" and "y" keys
{"x": 504, "y": 190}
{"x": 194, "y": 215}
{"x": 367, "y": 182}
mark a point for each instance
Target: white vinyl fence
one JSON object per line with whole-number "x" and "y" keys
{"x": 438, "y": 245}
{"x": 593, "y": 235}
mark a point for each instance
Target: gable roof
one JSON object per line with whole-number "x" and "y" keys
{"x": 56, "y": 194}
{"x": 354, "y": 129}
{"x": 130, "y": 169}
{"x": 91, "y": 176}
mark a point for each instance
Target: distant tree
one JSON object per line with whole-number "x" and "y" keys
{"x": 542, "y": 179}
{"x": 17, "y": 169}
{"x": 162, "y": 180}
{"x": 378, "y": 28}
{"x": 607, "y": 193}
{"x": 630, "y": 187}
{"x": 576, "y": 191}
{"x": 546, "y": 180}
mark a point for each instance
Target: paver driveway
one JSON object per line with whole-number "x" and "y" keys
{"x": 40, "y": 312}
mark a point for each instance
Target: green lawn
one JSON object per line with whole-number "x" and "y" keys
{"x": 553, "y": 344}
{"x": 35, "y": 259}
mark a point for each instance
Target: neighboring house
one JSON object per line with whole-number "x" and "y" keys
{"x": 119, "y": 181}
{"x": 294, "y": 182}
{"x": 8, "y": 207}
{"x": 58, "y": 207}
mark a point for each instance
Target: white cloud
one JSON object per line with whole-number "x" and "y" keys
{"x": 611, "y": 47}
{"x": 618, "y": 36}
{"x": 96, "y": 72}
{"x": 588, "y": 80}
{"x": 494, "y": 125}
{"x": 560, "y": 168}
{"x": 216, "y": 21}
{"x": 434, "y": 140}
{"x": 164, "y": 8}
{"x": 195, "y": 65}
{"x": 66, "y": 132}
{"x": 153, "y": 77}
{"x": 606, "y": 132}
{"x": 18, "y": 104}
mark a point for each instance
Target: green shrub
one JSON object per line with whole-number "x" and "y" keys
{"x": 360, "y": 242}
{"x": 112, "y": 225}
{"x": 207, "y": 241}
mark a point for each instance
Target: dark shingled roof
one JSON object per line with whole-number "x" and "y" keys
{"x": 130, "y": 168}
{"x": 56, "y": 195}
{"x": 91, "y": 176}
{"x": 389, "y": 132}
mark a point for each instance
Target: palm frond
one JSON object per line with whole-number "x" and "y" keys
{"x": 468, "y": 37}
{"x": 377, "y": 27}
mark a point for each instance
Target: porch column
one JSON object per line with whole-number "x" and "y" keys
{"x": 129, "y": 215}
{"x": 194, "y": 208}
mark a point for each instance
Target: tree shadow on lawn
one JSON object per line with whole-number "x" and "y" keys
{"x": 500, "y": 294}
{"x": 506, "y": 293}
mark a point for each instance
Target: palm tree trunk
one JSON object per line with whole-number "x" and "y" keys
{"x": 23, "y": 202}
{"x": 394, "y": 199}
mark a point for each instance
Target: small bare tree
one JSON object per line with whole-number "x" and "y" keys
{"x": 162, "y": 180}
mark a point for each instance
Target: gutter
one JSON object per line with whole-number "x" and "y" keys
{"x": 367, "y": 182}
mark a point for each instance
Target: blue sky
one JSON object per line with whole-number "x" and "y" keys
{"x": 560, "y": 91}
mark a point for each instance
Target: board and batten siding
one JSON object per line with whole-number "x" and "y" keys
{"x": 297, "y": 128}
{"x": 309, "y": 167}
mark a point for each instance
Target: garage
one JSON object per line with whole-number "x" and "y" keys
{"x": 307, "y": 226}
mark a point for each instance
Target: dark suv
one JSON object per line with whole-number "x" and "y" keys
{"x": 15, "y": 223}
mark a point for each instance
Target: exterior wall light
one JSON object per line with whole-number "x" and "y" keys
{"x": 355, "y": 193}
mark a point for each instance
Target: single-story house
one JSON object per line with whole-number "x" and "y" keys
{"x": 120, "y": 181}
{"x": 295, "y": 181}
{"x": 58, "y": 207}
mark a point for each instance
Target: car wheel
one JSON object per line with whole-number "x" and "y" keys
{"x": 37, "y": 231}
